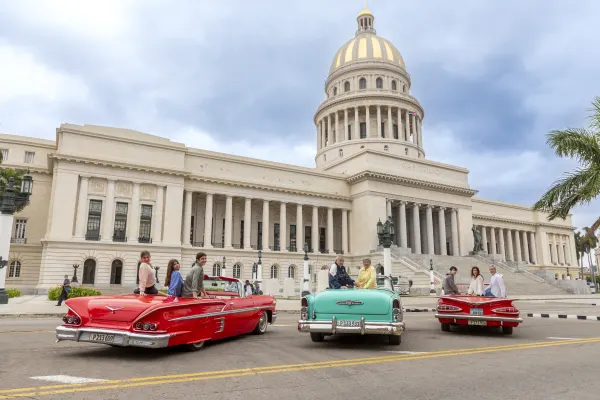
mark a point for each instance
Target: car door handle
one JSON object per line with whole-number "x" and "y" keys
{"x": 232, "y": 304}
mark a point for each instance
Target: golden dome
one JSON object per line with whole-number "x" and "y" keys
{"x": 365, "y": 12}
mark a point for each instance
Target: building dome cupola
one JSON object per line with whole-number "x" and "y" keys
{"x": 365, "y": 21}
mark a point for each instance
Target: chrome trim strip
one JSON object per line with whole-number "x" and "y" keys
{"x": 130, "y": 339}
{"x": 218, "y": 313}
{"x": 365, "y": 328}
{"x": 478, "y": 317}
{"x": 163, "y": 307}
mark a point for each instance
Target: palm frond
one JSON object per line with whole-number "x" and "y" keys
{"x": 577, "y": 143}
{"x": 593, "y": 228}
{"x": 595, "y": 110}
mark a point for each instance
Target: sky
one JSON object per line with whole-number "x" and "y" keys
{"x": 245, "y": 77}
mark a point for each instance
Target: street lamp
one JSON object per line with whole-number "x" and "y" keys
{"x": 259, "y": 270}
{"x": 10, "y": 202}
{"x": 431, "y": 280}
{"x": 74, "y": 279}
{"x": 306, "y": 277}
{"x": 156, "y": 273}
{"x": 386, "y": 233}
{"x": 223, "y": 273}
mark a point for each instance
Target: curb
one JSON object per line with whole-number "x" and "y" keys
{"x": 565, "y": 316}
{"x": 420, "y": 310}
{"x": 31, "y": 315}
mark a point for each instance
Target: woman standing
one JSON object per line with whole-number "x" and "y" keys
{"x": 174, "y": 281}
{"x": 476, "y": 286}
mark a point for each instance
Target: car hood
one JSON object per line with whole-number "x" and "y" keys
{"x": 353, "y": 301}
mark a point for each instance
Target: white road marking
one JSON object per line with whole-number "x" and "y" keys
{"x": 406, "y": 352}
{"x": 562, "y": 338}
{"x": 67, "y": 379}
{"x": 283, "y": 325}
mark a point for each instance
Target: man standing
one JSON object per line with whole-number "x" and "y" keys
{"x": 449, "y": 287}
{"x": 496, "y": 287}
{"x": 338, "y": 277}
{"x": 66, "y": 289}
{"x": 194, "y": 281}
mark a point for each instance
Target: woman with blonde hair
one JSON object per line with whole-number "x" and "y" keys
{"x": 367, "y": 276}
{"x": 174, "y": 280}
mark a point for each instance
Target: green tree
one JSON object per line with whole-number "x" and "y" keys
{"x": 6, "y": 174}
{"x": 589, "y": 241}
{"x": 583, "y": 185}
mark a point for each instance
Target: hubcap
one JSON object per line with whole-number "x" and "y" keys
{"x": 198, "y": 344}
{"x": 262, "y": 324}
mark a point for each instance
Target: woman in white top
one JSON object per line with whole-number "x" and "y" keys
{"x": 476, "y": 286}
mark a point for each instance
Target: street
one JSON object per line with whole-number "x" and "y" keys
{"x": 544, "y": 359}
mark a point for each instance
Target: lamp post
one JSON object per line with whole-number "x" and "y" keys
{"x": 306, "y": 277}
{"x": 386, "y": 233}
{"x": 156, "y": 273}
{"x": 223, "y": 273}
{"x": 432, "y": 289}
{"x": 259, "y": 270}
{"x": 74, "y": 279}
{"x": 10, "y": 202}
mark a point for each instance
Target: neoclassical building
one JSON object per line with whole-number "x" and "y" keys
{"x": 101, "y": 195}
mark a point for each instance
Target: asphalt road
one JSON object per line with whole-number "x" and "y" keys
{"x": 544, "y": 359}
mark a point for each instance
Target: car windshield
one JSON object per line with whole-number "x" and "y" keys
{"x": 383, "y": 282}
{"x": 217, "y": 285}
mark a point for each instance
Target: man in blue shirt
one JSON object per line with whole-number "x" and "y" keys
{"x": 66, "y": 289}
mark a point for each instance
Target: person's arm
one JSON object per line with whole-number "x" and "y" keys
{"x": 371, "y": 278}
{"x": 480, "y": 285}
{"x": 195, "y": 279}
{"x": 143, "y": 279}
{"x": 502, "y": 288}
{"x": 333, "y": 270}
{"x": 453, "y": 286}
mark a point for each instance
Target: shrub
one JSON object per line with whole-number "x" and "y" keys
{"x": 75, "y": 292}
{"x": 13, "y": 293}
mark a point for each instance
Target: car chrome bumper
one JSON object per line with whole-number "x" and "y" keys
{"x": 273, "y": 317}
{"x": 364, "y": 328}
{"x": 121, "y": 338}
{"x": 478, "y": 318}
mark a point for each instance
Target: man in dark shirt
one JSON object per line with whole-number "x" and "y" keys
{"x": 449, "y": 287}
{"x": 64, "y": 293}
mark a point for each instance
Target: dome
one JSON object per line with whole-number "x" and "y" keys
{"x": 366, "y": 46}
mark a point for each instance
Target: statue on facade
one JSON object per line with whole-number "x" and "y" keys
{"x": 477, "y": 240}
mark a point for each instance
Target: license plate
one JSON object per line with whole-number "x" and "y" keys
{"x": 101, "y": 337}
{"x": 348, "y": 323}
{"x": 476, "y": 311}
{"x": 477, "y": 323}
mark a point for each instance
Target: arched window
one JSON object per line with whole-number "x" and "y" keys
{"x": 394, "y": 86}
{"x": 362, "y": 84}
{"x": 347, "y": 86}
{"x": 335, "y": 91}
{"x": 116, "y": 272}
{"x": 379, "y": 83}
{"x": 274, "y": 271}
{"x": 324, "y": 267}
{"x": 292, "y": 271}
{"x": 341, "y": 152}
{"x": 379, "y": 269}
{"x": 406, "y": 150}
{"x": 386, "y": 148}
{"x": 14, "y": 270}
{"x": 216, "y": 269}
{"x": 89, "y": 272}
{"x": 237, "y": 270}
{"x": 404, "y": 88}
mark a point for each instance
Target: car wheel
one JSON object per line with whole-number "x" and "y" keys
{"x": 317, "y": 337}
{"x": 507, "y": 330}
{"x": 394, "y": 340}
{"x": 261, "y": 327}
{"x": 446, "y": 327}
{"x": 194, "y": 346}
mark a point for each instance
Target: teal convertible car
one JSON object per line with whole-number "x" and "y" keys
{"x": 354, "y": 311}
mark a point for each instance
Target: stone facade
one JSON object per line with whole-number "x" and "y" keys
{"x": 101, "y": 195}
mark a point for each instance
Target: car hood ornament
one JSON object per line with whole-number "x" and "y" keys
{"x": 113, "y": 309}
{"x": 349, "y": 302}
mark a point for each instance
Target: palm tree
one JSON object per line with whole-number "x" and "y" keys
{"x": 6, "y": 174}
{"x": 578, "y": 252}
{"x": 589, "y": 242}
{"x": 583, "y": 185}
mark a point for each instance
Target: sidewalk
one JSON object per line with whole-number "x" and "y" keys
{"x": 40, "y": 306}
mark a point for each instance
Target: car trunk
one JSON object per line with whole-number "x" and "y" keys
{"x": 352, "y": 301}
{"x": 119, "y": 309}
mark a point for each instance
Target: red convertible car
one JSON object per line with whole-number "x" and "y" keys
{"x": 477, "y": 311}
{"x": 159, "y": 321}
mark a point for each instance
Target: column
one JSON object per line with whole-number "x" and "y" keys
{"x": 247, "y": 222}
{"x": 338, "y": 131}
{"x": 420, "y": 129}
{"x": 399, "y": 121}
{"x": 484, "y": 239}
{"x": 568, "y": 255}
{"x": 318, "y": 136}
{"x": 388, "y": 208}
{"x": 367, "y": 120}
{"x": 402, "y": 220}
{"x": 493, "y": 240}
{"x": 390, "y": 132}
{"x": 378, "y": 121}
{"x": 429, "y": 222}
{"x": 406, "y": 124}
{"x": 208, "y": 217}
{"x": 321, "y": 134}
{"x": 133, "y": 224}
{"x": 518, "y": 255}
{"x": 454, "y": 227}
{"x": 561, "y": 253}
{"x": 330, "y": 229}
{"x": 82, "y": 205}
{"x": 330, "y": 134}
{"x": 266, "y": 227}
{"x": 158, "y": 215}
{"x": 228, "y": 221}
{"x": 416, "y": 229}
{"x": 315, "y": 229}
{"x": 553, "y": 255}
{"x": 187, "y": 218}
{"x": 299, "y": 229}
{"x": 283, "y": 239}
{"x": 510, "y": 256}
{"x": 345, "y": 124}
{"x": 409, "y": 118}
{"x": 109, "y": 212}
{"x": 501, "y": 243}
{"x": 525, "y": 247}
{"x": 345, "y": 231}
{"x": 533, "y": 250}
{"x": 356, "y": 133}
{"x": 442, "y": 228}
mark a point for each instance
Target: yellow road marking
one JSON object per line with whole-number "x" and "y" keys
{"x": 200, "y": 376}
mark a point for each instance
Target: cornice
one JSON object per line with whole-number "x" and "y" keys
{"x": 117, "y": 164}
{"x": 379, "y": 176}
{"x": 30, "y": 168}
{"x": 424, "y": 202}
{"x": 27, "y": 141}
{"x": 519, "y": 222}
{"x": 368, "y": 65}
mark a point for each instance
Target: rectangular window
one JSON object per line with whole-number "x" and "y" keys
{"x": 242, "y": 234}
{"x": 94, "y": 218}
{"x": 145, "y": 224}
{"x": 322, "y": 239}
{"x": 308, "y": 237}
{"x": 395, "y": 131}
{"x": 20, "y": 232}
{"x": 383, "y": 129}
{"x": 192, "y": 229}
{"x": 29, "y": 157}
{"x": 120, "y": 230}
{"x": 259, "y": 242}
{"x": 4, "y": 154}
{"x": 363, "y": 130}
{"x": 349, "y": 132}
{"x": 276, "y": 237}
{"x": 293, "y": 238}
{"x": 223, "y": 233}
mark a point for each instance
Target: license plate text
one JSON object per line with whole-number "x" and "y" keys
{"x": 348, "y": 323}
{"x": 101, "y": 337}
{"x": 476, "y": 311}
